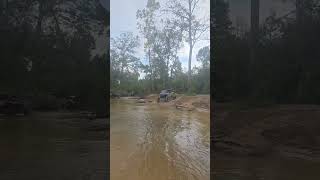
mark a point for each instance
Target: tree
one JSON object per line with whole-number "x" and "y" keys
{"x": 167, "y": 42}
{"x": 176, "y": 69}
{"x": 172, "y": 38}
{"x": 204, "y": 56}
{"x": 201, "y": 74}
{"x": 147, "y": 25}
{"x": 56, "y": 37}
{"x": 124, "y": 63}
{"x": 221, "y": 33}
{"x": 185, "y": 17}
{"x": 254, "y": 34}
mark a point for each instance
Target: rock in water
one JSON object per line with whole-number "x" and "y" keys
{"x": 141, "y": 101}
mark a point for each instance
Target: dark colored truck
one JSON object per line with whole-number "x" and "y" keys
{"x": 72, "y": 103}
{"x": 166, "y": 95}
{"x": 114, "y": 95}
{"x": 11, "y": 105}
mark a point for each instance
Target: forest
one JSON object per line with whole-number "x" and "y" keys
{"x": 164, "y": 29}
{"x": 46, "y": 51}
{"x": 276, "y": 61}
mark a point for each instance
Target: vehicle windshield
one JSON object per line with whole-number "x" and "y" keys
{"x": 164, "y": 91}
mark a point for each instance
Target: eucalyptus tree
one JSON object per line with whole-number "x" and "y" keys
{"x": 172, "y": 38}
{"x": 147, "y": 26}
{"x": 167, "y": 42}
{"x": 185, "y": 16}
{"x": 204, "y": 57}
{"x": 124, "y": 62}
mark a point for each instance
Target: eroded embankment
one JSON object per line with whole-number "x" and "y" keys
{"x": 286, "y": 130}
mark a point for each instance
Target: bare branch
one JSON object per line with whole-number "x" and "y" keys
{"x": 194, "y": 5}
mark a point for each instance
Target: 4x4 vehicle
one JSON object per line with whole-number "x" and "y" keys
{"x": 72, "y": 102}
{"x": 114, "y": 95}
{"x": 12, "y": 105}
{"x": 167, "y": 95}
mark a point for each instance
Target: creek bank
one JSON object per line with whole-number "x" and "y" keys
{"x": 182, "y": 102}
{"x": 284, "y": 130}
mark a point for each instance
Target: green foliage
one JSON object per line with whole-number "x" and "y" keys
{"x": 39, "y": 57}
{"x": 163, "y": 38}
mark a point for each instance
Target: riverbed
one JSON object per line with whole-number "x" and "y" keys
{"x": 157, "y": 141}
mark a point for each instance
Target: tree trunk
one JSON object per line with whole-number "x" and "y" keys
{"x": 189, "y": 66}
{"x": 167, "y": 75}
{"x": 4, "y": 6}
{"x": 40, "y": 18}
{"x": 254, "y": 30}
{"x": 151, "y": 71}
{"x": 300, "y": 64}
{"x": 255, "y": 5}
{"x": 190, "y": 46}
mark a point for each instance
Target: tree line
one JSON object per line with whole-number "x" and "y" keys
{"x": 46, "y": 49}
{"x": 277, "y": 61}
{"x": 163, "y": 37}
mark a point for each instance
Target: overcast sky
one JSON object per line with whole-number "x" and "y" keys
{"x": 123, "y": 19}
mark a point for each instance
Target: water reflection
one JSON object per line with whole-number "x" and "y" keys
{"x": 154, "y": 141}
{"x": 46, "y": 146}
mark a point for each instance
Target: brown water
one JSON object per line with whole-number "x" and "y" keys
{"x": 158, "y": 142}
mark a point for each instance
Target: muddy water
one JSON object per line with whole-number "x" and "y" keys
{"x": 156, "y": 141}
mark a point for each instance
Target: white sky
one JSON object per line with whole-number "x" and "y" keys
{"x": 123, "y": 19}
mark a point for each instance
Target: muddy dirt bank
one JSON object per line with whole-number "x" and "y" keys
{"x": 182, "y": 102}
{"x": 282, "y": 130}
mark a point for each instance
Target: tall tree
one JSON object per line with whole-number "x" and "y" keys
{"x": 167, "y": 42}
{"x": 221, "y": 33}
{"x": 254, "y": 33}
{"x": 204, "y": 56}
{"x": 147, "y": 26}
{"x": 255, "y": 6}
{"x": 187, "y": 18}
{"x": 123, "y": 59}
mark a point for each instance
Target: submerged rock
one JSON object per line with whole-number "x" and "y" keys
{"x": 141, "y": 101}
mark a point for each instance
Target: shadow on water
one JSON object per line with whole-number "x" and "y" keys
{"x": 47, "y": 146}
{"x": 267, "y": 168}
{"x": 156, "y": 141}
